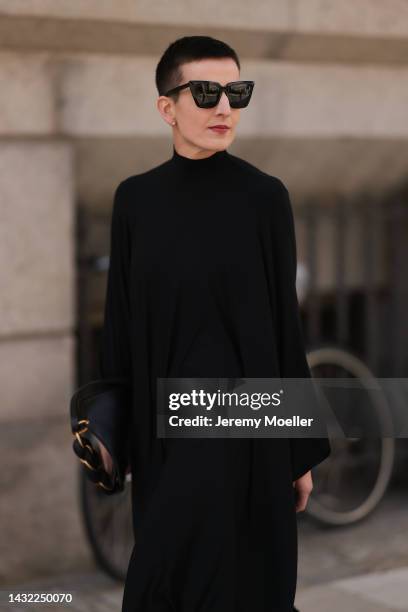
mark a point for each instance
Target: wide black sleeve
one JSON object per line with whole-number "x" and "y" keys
{"x": 115, "y": 345}
{"x": 305, "y": 452}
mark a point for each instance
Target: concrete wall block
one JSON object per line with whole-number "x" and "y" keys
{"x": 27, "y": 101}
{"x": 36, "y": 377}
{"x": 37, "y": 239}
{"x": 40, "y": 512}
{"x": 110, "y": 95}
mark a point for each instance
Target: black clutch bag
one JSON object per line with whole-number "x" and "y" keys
{"x": 101, "y": 410}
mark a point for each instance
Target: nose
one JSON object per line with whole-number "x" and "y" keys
{"x": 223, "y": 105}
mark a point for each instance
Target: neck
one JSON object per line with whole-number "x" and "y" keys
{"x": 199, "y": 162}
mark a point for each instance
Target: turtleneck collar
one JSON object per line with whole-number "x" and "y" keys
{"x": 199, "y": 164}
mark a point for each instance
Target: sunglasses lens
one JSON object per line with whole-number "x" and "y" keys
{"x": 239, "y": 94}
{"x": 205, "y": 93}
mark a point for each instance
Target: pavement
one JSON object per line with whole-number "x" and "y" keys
{"x": 94, "y": 592}
{"x": 375, "y": 592}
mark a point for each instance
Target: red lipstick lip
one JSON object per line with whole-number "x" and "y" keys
{"x": 219, "y": 127}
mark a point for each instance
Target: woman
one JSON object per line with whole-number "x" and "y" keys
{"x": 202, "y": 284}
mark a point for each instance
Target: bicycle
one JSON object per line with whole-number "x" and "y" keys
{"x": 352, "y": 481}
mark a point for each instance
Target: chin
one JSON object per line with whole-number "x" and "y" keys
{"x": 218, "y": 143}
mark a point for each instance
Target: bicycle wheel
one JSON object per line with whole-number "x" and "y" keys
{"x": 351, "y": 482}
{"x": 108, "y": 525}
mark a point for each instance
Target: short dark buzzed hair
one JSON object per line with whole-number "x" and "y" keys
{"x": 184, "y": 50}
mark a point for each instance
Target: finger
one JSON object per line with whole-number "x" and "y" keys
{"x": 301, "y": 501}
{"x": 106, "y": 460}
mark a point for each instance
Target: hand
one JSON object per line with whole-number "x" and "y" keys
{"x": 106, "y": 458}
{"x": 303, "y": 487}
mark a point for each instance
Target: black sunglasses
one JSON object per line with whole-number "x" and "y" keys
{"x": 207, "y": 94}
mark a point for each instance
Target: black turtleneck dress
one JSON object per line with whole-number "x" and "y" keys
{"x": 201, "y": 283}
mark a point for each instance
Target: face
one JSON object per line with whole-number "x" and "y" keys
{"x": 192, "y": 134}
